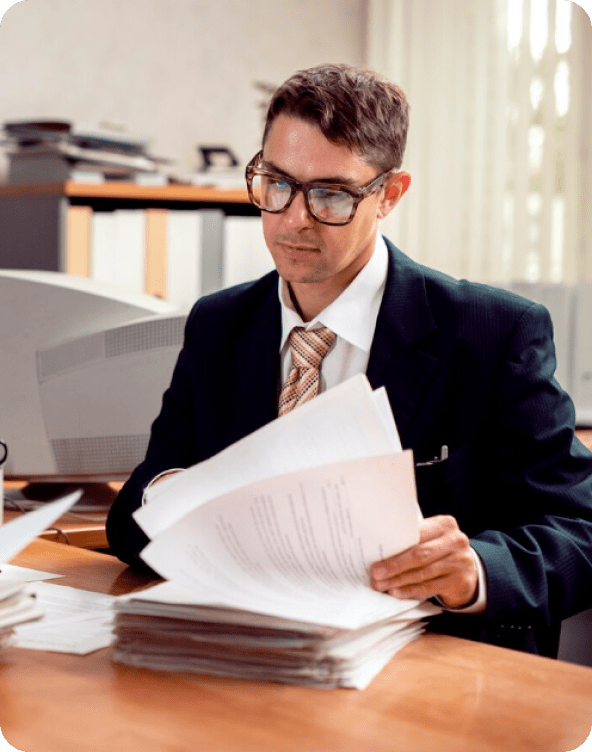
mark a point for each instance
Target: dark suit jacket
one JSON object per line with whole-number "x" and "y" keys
{"x": 464, "y": 365}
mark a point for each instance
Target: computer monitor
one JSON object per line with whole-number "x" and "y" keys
{"x": 100, "y": 393}
{"x": 82, "y": 370}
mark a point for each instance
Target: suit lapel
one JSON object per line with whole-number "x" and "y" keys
{"x": 258, "y": 354}
{"x": 398, "y": 357}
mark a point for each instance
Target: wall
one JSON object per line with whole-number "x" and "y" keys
{"x": 180, "y": 72}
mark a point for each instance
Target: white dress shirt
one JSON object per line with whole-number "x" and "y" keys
{"x": 352, "y": 316}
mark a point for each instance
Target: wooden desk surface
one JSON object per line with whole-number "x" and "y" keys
{"x": 85, "y": 530}
{"x": 439, "y": 693}
{"x": 73, "y": 530}
{"x": 585, "y": 436}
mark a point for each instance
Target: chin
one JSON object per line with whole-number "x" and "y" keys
{"x": 298, "y": 274}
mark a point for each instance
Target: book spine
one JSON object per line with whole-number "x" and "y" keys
{"x": 155, "y": 269}
{"x": 212, "y": 272}
{"x": 131, "y": 244}
{"x": 78, "y": 240}
{"x": 183, "y": 256}
{"x": 103, "y": 247}
{"x": 246, "y": 256}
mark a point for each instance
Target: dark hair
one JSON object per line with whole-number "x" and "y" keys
{"x": 352, "y": 107}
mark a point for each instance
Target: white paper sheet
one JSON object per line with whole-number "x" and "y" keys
{"x": 74, "y": 621}
{"x": 344, "y": 423}
{"x": 20, "y": 608}
{"x": 18, "y": 533}
{"x": 24, "y": 574}
{"x": 299, "y": 545}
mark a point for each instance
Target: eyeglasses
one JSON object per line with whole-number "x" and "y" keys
{"x": 328, "y": 203}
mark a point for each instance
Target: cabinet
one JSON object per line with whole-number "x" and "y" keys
{"x": 63, "y": 226}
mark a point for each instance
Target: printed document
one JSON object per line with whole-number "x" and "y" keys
{"x": 344, "y": 423}
{"x": 301, "y": 540}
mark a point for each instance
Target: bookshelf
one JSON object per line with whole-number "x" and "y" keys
{"x": 53, "y": 226}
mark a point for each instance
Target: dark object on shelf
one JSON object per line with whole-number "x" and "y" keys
{"x": 217, "y": 158}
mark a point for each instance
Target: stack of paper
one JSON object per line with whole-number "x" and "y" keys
{"x": 74, "y": 621}
{"x": 165, "y": 629}
{"x": 267, "y": 546}
{"x": 17, "y": 601}
{"x": 56, "y": 150}
{"x": 16, "y": 606}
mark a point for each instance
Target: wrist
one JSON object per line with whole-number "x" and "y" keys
{"x": 157, "y": 478}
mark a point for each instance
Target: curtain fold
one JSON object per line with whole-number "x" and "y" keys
{"x": 500, "y": 142}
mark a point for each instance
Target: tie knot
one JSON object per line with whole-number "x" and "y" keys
{"x": 310, "y": 347}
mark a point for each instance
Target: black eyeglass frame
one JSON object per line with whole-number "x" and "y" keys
{"x": 357, "y": 194}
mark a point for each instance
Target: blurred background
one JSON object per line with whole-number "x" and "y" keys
{"x": 500, "y": 140}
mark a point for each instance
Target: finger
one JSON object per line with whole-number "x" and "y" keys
{"x": 420, "y": 590}
{"x": 421, "y": 555}
{"x": 436, "y": 568}
{"x": 455, "y": 581}
{"x": 436, "y": 526}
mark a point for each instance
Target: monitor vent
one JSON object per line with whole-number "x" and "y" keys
{"x": 165, "y": 332}
{"x": 100, "y": 455}
{"x": 70, "y": 355}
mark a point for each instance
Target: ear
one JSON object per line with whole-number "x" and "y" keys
{"x": 393, "y": 190}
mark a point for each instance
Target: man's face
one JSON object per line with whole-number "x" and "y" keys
{"x": 321, "y": 257}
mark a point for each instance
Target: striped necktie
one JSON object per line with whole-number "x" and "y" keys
{"x": 308, "y": 350}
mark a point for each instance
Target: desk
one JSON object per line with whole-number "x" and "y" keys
{"x": 440, "y": 693}
{"x": 585, "y": 436}
{"x": 73, "y": 530}
{"x": 86, "y": 530}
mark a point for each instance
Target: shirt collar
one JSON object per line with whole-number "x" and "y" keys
{"x": 352, "y": 316}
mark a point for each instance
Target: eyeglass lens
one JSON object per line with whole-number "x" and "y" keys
{"x": 328, "y": 205}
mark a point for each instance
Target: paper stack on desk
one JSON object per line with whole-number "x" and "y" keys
{"x": 17, "y": 601}
{"x": 266, "y": 548}
{"x": 17, "y": 605}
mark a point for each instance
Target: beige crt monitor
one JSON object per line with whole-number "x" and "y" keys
{"x": 101, "y": 392}
{"x": 42, "y": 317}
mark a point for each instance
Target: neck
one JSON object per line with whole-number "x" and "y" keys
{"x": 308, "y": 302}
{"x": 312, "y": 295}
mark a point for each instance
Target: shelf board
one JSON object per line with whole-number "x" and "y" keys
{"x": 127, "y": 191}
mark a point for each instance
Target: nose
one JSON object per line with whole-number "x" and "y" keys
{"x": 296, "y": 215}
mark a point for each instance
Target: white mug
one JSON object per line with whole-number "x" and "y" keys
{"x": 3, "y": 456}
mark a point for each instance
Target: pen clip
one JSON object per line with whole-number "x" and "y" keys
{"x": 443, "y": 456}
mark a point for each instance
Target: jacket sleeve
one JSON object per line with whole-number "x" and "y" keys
{"x": 171, "y": 445}
{"x": 537, "y": 483}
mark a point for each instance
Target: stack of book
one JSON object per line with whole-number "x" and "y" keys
{"x": 266, "y": 550}
{"x": 55, "y": 151}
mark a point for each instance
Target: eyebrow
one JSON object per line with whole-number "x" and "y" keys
{"x": 339, "y": 179}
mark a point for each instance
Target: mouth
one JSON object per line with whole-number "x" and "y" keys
{"x": 297, "y": 248}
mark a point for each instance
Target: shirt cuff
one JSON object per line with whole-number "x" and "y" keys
{"x": 479, "y": 603}
{"x": 171, "y": 471}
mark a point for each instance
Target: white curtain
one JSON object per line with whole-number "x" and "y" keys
{"x": 500, "y": 142}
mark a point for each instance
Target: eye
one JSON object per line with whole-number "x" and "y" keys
{"x": 279, "y": 184}
{"x": 276, "y": 184}
{"x": 329, "y": 198}
{"x": 328, "y": 194}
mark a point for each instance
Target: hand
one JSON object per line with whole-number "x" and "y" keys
{"x": 441, "y": 564}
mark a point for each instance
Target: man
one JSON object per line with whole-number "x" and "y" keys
{"x": 506, "y": 543}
